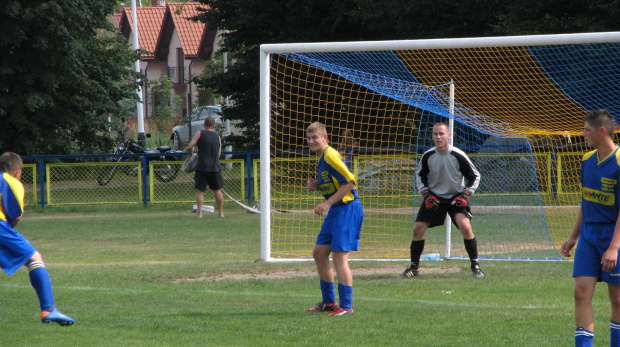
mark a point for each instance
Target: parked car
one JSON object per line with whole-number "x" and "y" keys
{"x": 181, "y": 134}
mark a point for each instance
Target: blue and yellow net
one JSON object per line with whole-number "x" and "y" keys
{"x": 518, "y": 112}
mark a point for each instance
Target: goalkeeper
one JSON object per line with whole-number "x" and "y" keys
{"x": 446, "y": 178}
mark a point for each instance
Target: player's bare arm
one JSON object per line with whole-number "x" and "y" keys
{"x": 220, "y": 153}
{"x": 312, "y": 184}
{"x": 568, "y": 245}
{"x": 610, "y": 257}
{"x": 194, "y": 141}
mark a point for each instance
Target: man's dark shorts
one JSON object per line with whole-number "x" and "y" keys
{"x": 436, "y": 218}
{"x": 213, "y": 179}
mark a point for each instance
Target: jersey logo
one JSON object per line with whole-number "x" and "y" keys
{"x": 327, "y": 189}
{"x": 327, "y": 186}
{"x": 608, "y": 184}
{"x": 598, "y": 197}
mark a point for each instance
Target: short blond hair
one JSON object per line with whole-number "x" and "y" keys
{"x": 10, "y": 162}
{"x": 317, "y": 127}
{"x": 441, "y": 124}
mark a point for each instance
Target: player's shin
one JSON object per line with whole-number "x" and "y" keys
{"x": 417, "y": 247}
{"x": 615, "y": 333}
{"x": 583, "y": 337}
{"x": 40, "y": 281}
{"x": 471, "y": 246}
{"x": 346, "y": 296}
{"x": 328, "y": 292}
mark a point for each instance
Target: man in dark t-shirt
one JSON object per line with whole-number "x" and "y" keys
{"x": 208, "y": 169}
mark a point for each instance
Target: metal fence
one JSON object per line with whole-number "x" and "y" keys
{"x": 98, "y": 180}
{"x": 94, "y": 179}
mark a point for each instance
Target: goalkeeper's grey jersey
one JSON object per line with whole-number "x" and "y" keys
{"x": 446, "y": 173}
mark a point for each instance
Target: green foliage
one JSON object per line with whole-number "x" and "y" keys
{"x": 63, "y": 72}
{"x": 207, "y": 94}
{"x": 159, "y": 276}
{"x": 167, "y": 107}
{"x": 249, "y": 23}
{"x": 531, "y": 17}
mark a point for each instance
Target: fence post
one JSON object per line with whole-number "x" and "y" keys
{"x": 41, "y": 180}
{"x": 145, "y": 170}
{"x": 248, "y": 169}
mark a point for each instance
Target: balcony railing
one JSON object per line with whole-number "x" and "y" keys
{"x": 176, "y": 75}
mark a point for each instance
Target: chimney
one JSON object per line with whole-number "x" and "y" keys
{"x": 158, "y": 3}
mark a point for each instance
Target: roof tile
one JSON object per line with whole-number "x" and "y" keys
{"x": 149, "y": 24}
{"x": 190, "y": 32}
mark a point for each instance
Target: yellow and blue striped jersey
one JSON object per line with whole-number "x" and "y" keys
{"x": 599, "y": 187}
{"x": 11, "y": 197}
{"x": 333, "y": 173}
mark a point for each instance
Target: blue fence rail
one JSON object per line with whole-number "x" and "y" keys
{"x": 93, "y": 162}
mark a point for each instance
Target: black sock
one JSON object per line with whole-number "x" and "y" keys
{"x": 417, "y": 247}
{"x": 471, "y": 246}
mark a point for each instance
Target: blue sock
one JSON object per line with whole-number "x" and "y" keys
{"x": 615, "y": 334}
{"x": 583, "y": 337}
{"x": 329, "y": 294}
{"x": 346, "y": 296}
{"x": 40, "y": 281}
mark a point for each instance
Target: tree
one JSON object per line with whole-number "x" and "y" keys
{"x": 63, "y": 71}
{"x": 530, "y": 17}
{"x": 250, "y": 23}
{"x": 166, "y": 105}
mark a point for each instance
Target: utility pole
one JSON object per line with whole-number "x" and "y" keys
{"x": 139, "y": 104}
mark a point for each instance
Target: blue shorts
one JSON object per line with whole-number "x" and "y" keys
{"x": 15, "y": 250}
{"x": 342, "y": 227}
{"x": 594, "y": 240}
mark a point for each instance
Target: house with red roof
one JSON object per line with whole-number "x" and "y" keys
{"x": 174, "y": 46}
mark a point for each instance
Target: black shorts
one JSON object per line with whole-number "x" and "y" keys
{"x": 436, "y": 218}
{"x": 213, "y": 179}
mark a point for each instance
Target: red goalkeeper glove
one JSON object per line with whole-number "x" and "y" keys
{"x": 461, "y": 199}
{"x": 431, "y": 202}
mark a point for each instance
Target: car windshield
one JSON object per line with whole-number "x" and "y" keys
{"x": 201, "y": 113}
{"x": 194, "y": 116}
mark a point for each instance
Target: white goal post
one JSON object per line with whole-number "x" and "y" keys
{"x": 540, "y": 144}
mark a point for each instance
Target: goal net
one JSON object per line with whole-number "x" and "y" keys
{"x": 517, "y": 107}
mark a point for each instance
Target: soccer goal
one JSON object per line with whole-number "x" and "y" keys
{"x": 517, "y": 108}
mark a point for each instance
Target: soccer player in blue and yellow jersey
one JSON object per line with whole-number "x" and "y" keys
{"x": 15, "y": 250}
{"x": 340, "y": 231}
{"x": 597, "y": 228}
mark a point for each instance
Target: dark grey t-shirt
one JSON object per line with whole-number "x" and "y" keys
{"x": 208, "y": 152}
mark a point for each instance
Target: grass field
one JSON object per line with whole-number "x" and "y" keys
{"x": 159, "y": 276}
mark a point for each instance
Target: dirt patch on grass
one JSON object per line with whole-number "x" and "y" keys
{"x": 275, "y": 275}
